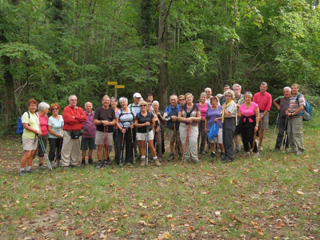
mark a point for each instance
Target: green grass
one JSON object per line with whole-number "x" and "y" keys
{"x": 273, "y": 197}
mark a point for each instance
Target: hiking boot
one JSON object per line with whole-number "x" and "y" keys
{"x": 256, "y": 155}
{"x": 276, "y": 149}
{"x": 90, "y": 161}
{"x": 41, "y": 166}
{"x": 213, "y": 154}
{"x": 246, "y": 154}
{"x": 237, "y": 149}
{"x": 171, "y": 157}
{"x": 196, "y": 160}
{"x": 83, "y": 162}
{"x": 290, "y": 150}
{"x": 156, "y": 162}
{"x": 100, "y": 164}
{"x": 143, "y": 162}
{"x": 227, "y": 160}
{"x": 222, "y": 156}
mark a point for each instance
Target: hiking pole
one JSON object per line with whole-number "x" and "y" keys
{"x": 122, "y": 149}
{"x": 45, "y": 153}
{"x": 132, "y": 146}
{"x": 275, "y": 127}
{"x": 176, "y": 148}
{"x": 285, "y": 135}
{"x": 147, "y": 145}
{"x": 186, "y": 142}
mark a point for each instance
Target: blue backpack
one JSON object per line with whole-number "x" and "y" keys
{"x": 306, "y": 113}
{"x": 213, "y": 131}
{"x": 20, "y": 125}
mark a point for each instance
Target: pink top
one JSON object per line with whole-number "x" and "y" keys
{"x": 203, "y": 109}
{"x": 263, "y": 100}
{"x": 248, "y": 111}
{"x": 43, "y": 124}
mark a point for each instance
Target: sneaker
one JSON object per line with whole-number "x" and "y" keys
{"x": 90, "y": 161}
{"x": 298, "y": 153}
{"x": 256, "y": 155}
{"x": 29, "y": 171}
{"x": 83, "y": 162}
{"x": 203, "y": 153}
{"x": 260, "y": 148}
{"x": 246, "y": 154}
{"x": 227, "y": 160}
{"x": 100, "y": 164}
{"x": 171, "y": 157}
{"x": 23, "y": 172}
{"x": 213, "y": 154}
{"x": 222, "y": 156}
{"x": 156, "y": 162}
{"x": 160, "y": 159}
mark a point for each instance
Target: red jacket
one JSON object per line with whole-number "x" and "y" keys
{"x": 73, "y": 118}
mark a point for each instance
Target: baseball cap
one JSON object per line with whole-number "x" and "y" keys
{"x": 137, "y": 95}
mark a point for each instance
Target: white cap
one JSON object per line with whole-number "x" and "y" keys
{"x": 137, "y": 95}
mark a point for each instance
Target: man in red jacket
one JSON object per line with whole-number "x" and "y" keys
{"x": 73, "y": 117}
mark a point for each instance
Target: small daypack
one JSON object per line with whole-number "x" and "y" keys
{"x": 213, "y": 131}
{"x": 306, "y": 113}
{"x": 20, "y": 124}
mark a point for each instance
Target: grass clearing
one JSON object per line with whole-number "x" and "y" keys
{"x": 275, "y": 196}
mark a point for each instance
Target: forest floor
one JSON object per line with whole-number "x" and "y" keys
{"x": 276, "y": 196}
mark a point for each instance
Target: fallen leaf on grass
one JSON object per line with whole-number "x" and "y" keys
{"x": 210, "y": 221}
{"x": 260, "y": 231}
{"x": 300, "y": 192}
{"x": 280, "y": 225}
{"x": 217, "y": 213}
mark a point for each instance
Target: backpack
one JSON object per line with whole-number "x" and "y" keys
{"x": 213, "y": 131}
{"x": 306, "y": 113}
{"x": 123, "y": 113}
{"x": 20, "y": 124}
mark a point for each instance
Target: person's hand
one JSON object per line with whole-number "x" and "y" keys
{"x": 224, "y": 105}
{"x": 38, "y": 132}
{"x": 216, "y": 120}
{"x": 132, "y": 125}
{"x": 206, "y": 130}
{"x": 189, "y": 120}
{"x": 158, "y": 129}
{"x": 123, "y": 130}
{"x": 255, "y": 128}
{"x": 174, "y": 118}
{"x": 278, "y": 107}
{"x": 147, "y": 124}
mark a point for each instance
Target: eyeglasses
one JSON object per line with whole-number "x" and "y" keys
{"x": 181, "y": 99}
{"x": 73, "y": 100}
{"x": 143, "y": 105}
{"x": 54, "y": 109}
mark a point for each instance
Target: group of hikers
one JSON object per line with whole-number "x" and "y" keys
{"x": 140, "y": 127}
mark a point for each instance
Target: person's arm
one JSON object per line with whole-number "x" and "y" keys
{"x": 139, "y": 125}
{"x": 52, "y": 132}
{"x": 81, "y": 116}
{"x": 68, "y": 116}
{"x": 30, "y": 129}
{"x": 256, "y": 112}
{"x": 276, "y": 104}
{"x": 197, "y": 118}
{"x": 205, "y": 124}
{"x": 180, "y": 118}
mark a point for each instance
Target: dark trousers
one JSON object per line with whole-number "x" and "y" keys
{"x": 128, "y": 146}
{"x": 282, "y": 129}
{"x": 115, "y": 140}
{"x": 55, "y": 148}
{"x": 202, "y": 136}
{"x": 229, "y": 128}
{"x": 247, "y": 135}
{"x": 158, "y": 143}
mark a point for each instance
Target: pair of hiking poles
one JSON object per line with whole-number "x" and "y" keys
{"x": 123, "y": 144}
{"x": 284, "y": 141}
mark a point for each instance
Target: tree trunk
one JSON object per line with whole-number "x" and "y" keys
{"x": 163, "y": 47}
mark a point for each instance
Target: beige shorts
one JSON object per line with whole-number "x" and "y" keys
{"x": 265, "y": 121}
{"x": 220, "y": 139}
{"x": 102, "y": 138}
{"x": 171, "y": 135}
{"x": 30, "y": 144}
{"x": 142, "y": 136}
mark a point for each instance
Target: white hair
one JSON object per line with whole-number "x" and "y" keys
{"x": 236, "y": 85}
{"x": 229, "y": 92}
{"x": 71, "y": 97}
{"x": 264, "y": 83}
{"x": 203, "y": 94}
{"x": 155, "y": 102}
{"x": 208, "y": 89}
{"x": 123, "y": 98}
{"x": 43, "y": 105}
{"x": 86, "y": 104}
{"x": 288, "y": 88}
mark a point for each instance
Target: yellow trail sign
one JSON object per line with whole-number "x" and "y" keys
{"x": 119, "y": 86}
{"x": 112, "y": 83}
